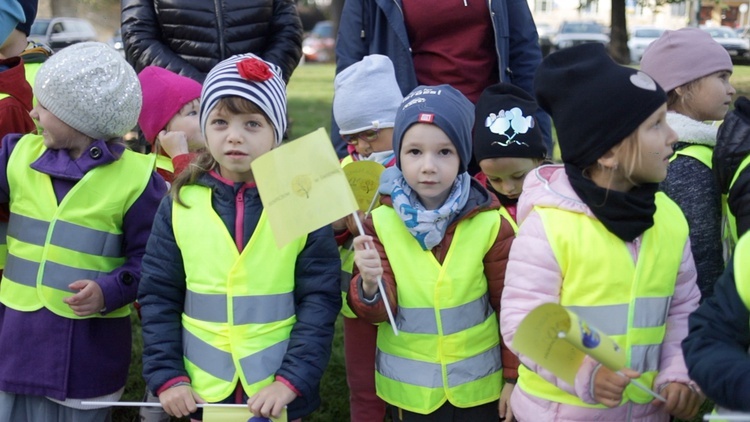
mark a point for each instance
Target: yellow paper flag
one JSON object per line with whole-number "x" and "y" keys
{"x": 302, "y": 186}
{"x": 557, "y": 339}
{"x": 364, "y": 179}
{"x": 235, "y": 414}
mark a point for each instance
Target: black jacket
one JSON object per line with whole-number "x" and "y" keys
{"x": 190, "y": 37}
{"x": 732, "y": 146}
{"x": 317, "y": 295}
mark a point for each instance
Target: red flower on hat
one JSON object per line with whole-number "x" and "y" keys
{"x": 254, "y": 70}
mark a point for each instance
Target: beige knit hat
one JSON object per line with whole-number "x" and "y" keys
{"x": 91, "y": 88}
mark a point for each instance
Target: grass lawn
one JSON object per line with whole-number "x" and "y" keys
{"x": 310, "y": 94}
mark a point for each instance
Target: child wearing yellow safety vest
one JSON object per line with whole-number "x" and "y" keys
{"x": 227, "y": 316}
{"x": 169, "y": 119}
{"x": 81, "y": 209}
{"x": 694, "y": 70}
{"x": 440, "y": 246}
{"x": 365, "y": 112}
{"x": 716, "y": 349}
{"x": 598, "y": 238}
{"x": 508, "y": 142}
{"x": 730, "y": 163}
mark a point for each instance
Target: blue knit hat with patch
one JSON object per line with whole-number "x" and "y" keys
{"x": 442, "y": 106}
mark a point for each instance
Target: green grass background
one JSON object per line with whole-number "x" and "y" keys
{"x": 310, "y": 94}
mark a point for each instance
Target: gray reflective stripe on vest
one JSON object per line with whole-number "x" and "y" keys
{"x": 263, "y": 309}
{"x": 454, "y": 320}
{"x": 206, "y": 307}
{"x": 21, "y": 270}
{"x": 67, "y": 235}
{"x": 346, "y": 278}
{"x": 216, "y": 362}
{"x": 651, "y": 311}
{"x": 425, "y": 374}
{"x": 59, "y": 276}
{"x": 474, "y": 368}
{"x": 27, "y": 229}
{"x": 247, "y": 309}
{"x": 645, "y": 358}
{"x": 613, "y": 319}
{"x": 86, "y": 240}
{"x": 265, "y": 363}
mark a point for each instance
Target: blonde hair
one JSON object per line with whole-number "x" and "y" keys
{"x": 628, "y": 156}
{"x": 205, "y": 162}
{"x": 675, "y": 100}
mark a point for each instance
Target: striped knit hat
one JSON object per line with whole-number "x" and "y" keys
{"x": 249, "y": 77}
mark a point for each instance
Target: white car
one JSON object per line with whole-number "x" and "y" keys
{"x": 736, "y": 47}
{"x": 640, "y": 38}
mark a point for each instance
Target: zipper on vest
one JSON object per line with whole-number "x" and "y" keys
{"x": 239, "y": 219}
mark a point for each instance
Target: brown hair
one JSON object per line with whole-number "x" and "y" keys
{"x": 205, "y": 162}
{"x": 674, "y": 99}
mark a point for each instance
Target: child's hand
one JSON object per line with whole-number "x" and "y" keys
{"x": 368, "y": 262}
{"x": 179, "y": 401}
{"x": 88, "y": 301}
{"x": 271, "y": 400}
{"x": 173, "y": 143}
{"x": 608, "y": 385}
{"x": 506, "y": 413}
{"x": 682, "y": 401}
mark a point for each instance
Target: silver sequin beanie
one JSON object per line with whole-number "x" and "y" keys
{"x": 91, "y": 88}
{"x": 252, "y": 78}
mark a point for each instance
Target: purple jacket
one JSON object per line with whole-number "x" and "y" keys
{"x": 47, "y": 355}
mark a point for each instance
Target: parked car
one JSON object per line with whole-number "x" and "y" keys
{"x": 546, "y": 33}
{"x": 319, "y": 44}
{"x": 640, "y": 38}
{"x": 116, "y": 42}
{"x": 572, "y": 33}
{"x": 59, "y": 33}
{"x": 737, "y": 47}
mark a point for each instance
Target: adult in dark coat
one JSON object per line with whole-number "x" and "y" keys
{"x": 190, "y": 37}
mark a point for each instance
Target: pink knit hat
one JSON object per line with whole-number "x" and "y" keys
{"x": 682, "y": 56}
{"x": 164, "y": 94}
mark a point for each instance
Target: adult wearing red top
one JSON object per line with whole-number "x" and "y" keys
{"x": 469, "y": 44}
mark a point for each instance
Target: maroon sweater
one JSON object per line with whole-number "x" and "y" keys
{"x": 464, "y": 57}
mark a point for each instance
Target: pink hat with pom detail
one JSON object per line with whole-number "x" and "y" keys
{"x": 164, "y": 94}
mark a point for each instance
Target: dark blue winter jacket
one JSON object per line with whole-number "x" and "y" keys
{"x": 716, "y": 348}
{"x": 317, "y": 296}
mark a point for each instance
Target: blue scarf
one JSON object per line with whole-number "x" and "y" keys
{"x": 427, "y": 226}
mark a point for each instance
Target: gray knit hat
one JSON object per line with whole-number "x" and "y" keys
{"x": 249, "y": 77}
{"x": 91, "y": 88}
{"x": 366, "y": 95}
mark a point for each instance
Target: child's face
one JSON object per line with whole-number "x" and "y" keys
{"x": 429, "y": 162}
{"x": 710, "y": 98}
{"x": 506, "y": 174}
{"x": 187, "y": 120}
{"x": 655, "y": 147}
{"x": 58, "y": 134}
{"x": 379, "y": 141}
{"x": 235, "y": 140}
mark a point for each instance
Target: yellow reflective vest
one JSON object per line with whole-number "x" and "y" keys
{"x": 239, "y": 307}
{"x": 51, "y": 245}
{"x": 163, "y": 162}
{"x": 627, "y": 301}
{"x": 448, "y": 347}
{"x": 346, "y": 253}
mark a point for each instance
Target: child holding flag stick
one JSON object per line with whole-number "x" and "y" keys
{"x": 228, "y": 316}
{"x": 600, "y": 240}
{"x": 439, "y": 246}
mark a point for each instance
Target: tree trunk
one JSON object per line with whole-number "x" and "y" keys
{"x": 64, "y": 8}
{"x": 618, "y": 42}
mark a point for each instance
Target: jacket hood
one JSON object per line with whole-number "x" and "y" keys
{"x": 548, "y": 186}
{"x": 732, "y": 145}
{"x": 691, "y": 131}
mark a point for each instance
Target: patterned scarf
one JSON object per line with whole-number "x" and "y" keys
{"x": 427, "y": 226}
